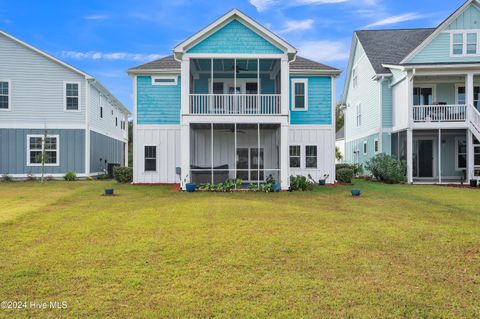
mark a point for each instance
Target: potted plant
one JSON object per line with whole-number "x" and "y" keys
{"x": 322, "y": 181}
{"x": 189, "y": 187}
{"x": 356, "y": 192}
{"x": 275, "y": 187}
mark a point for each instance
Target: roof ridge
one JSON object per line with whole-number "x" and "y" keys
{"x": 402, "y": 29}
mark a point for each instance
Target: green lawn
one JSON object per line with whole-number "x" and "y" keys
{"x": 397, "y": 251}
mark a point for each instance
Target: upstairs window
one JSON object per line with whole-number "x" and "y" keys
{"x": 472, "y": 43}
{"x": 116, "y": 121}
{"x": 461, "y": 98}
{"x": 101, "y": 112}
{"x": 359, "y": 115}
{"x": 422, "y": 95}
{"x": 72, "y": 97}
{"x": 164, "y": 80}
{"x": 311, "y": 156}
{"x": 295, "y": 156}
{"x": 354, "y": 78}
{"x": 150, "y": 158}
{"x": 4, "y": 95}
{"x": 457, "y": 43}
{"x": 299, "y": 95}
{"x": 464, "y": 43}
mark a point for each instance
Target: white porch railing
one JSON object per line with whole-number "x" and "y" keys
{"x": 235, "y": 104}
{"x": 439, "y": 113}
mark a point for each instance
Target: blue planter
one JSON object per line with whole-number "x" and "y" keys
{"x": 276, "y": 187}
{"x": 356, "y": 192}
{"x": 190, "y": 187}
{"x": 322, "y": 182}
{"x": 108, "y": 191}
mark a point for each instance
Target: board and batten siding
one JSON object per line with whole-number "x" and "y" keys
{"x": 235, "y": 37}
{"x": 157, "y": 104}
{"x": 13, "y": 151}
{"x": 319, "y": 101}
{"x": 105, "y": 150}
{"x": 438, "y": 50}
{"x": 37, "y": 87}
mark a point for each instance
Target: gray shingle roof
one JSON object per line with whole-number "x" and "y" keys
{"x": 169, "y": 63}
{"x": 390, "y": 46}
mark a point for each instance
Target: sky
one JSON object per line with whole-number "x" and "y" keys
{"x": 105, "y": 38}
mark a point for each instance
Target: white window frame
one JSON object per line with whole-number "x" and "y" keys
{"x": 365, "y": 148}
{"x": 457, "y": 86}
{"x": 425, "y": 86}
{"x": 305, "y": 159}
{"x": 299, "y": 156}
{"x": 156, "y": 159}
{"x": 376, "y": 146}
{"x": 457, "y": 140}
{"x": 165, "y": 77}
{"x": 354, "y": 78}
{"x": 65, "y": 96}
{"x": 464, "y": 34}
{"x": 358, "y": 115}
{"x": 57, "y": 163}
{"x": 9, "y": 95}
{"x": 305, "y": 83}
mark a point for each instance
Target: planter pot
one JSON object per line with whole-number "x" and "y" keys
{"x": 109, "y": 192}
{"x": 190, "y": 187}
{"x": 473, "y": 183}
{"x": 276, "y": 187}
{"x": 356, "y": 192}
{"x": 322, "y": 182}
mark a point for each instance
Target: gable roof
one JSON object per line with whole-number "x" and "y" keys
{"x": 169, "y": 64}
{"x": 225, "y": 19}
{"x": 390, "y": 46}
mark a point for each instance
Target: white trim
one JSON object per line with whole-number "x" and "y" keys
{"x": 458, "y": 85}
{"x": 165, "y": 77}
{"x": 464, "y": 34}
{"x": 300, "y": 156}
{"x": 87, "y": 128}
{"x": 23, "y": 125}
{"x": 305, "y": 83}
{"x": 358, "y": 114}
{"x": 305, "y": 157}
{"x": 9, "y": 96}
{"x": 432, "y": 86}
{"x": 233, "y": 55}
{"x": 457, "y": 139}
{"x": 65, "y": 83}
{"x": 57, "y": 150}
{"x": 156, "y": 159}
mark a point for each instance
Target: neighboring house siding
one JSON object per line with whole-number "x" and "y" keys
{"x": 157, "y": 104}
{"x": 438, "y": 50}
{"x": 357, "y": 145}
{"x": 387, "y": 143}
{"x": 319, "y": 101}
{"x": 37, "y": 87}
{"x": 386, "y": 104}
{"x": 13, "y": 151}
{"x": 235, "y": 37}
{"x": 104, "y": 148}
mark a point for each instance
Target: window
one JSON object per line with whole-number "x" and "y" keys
{"x": 164, "y": 80}
{"x": 422, "y": 95}
{"x": 461, "y": 97}
{"x": 457, "y": 43}
{"x": 150, "y": 158}
{"x": 295, "y": 156}
{"x": 359, "y": 114}
{"x": 460, "y": 153}
{"x": 101, "y": 112}
{"x": 311, "y": 156}
{"x": 71, "y": 97}
{"x": 39, "y": 146}
{"x": 365, "y": 148}
{"x": 472, "y": 43}
{"x": 376, "y": 146}
{"x": 355, "y": 78}
{"x": 116, "y": 121}
{"x": 300, "y": 95}
{"x": 4, "y": 95}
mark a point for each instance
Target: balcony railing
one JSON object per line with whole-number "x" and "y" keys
{"x": 235, "y": 104}
{"x": 439, "y": 113}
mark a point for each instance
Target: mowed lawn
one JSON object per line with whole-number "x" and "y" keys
{"x": 150, "y": 252}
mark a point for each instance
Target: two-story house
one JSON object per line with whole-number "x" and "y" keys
{"x": 56, "y": 116}
{"x": 414, "y": 94}
{"x": 233, "y": 101}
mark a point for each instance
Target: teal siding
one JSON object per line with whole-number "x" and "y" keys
{"x": 387, "y": 143}
{"x": 235, "y": 38}
{"x": 448, "y": 156}
{"x": 468, "y": 19}
{"x": 445, "y": 93}
{"x": 157, "y": 104}
{"x": 355, "y": 145}
{"x": 386, "y": 104}
{"x": 319, "y": 102}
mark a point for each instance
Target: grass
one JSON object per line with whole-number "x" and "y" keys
{"x": 397, "y": 251}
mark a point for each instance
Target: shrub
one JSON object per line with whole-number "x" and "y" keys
{"x": 123, "y": 174}
{"x": 300, "y": 183}
{"x": 344, "y": 175}
{"x": 387, "y": 169}
{"x": 70, "y": 176}
{"x": 356, "y": 168}
{"x": 6, "y": 178}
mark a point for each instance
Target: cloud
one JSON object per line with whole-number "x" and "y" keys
{"x": 111, "y": 56}
{"x": 320, "y": 1}
{"x": 297, "y": 25}
{"x": 262, "y": 5}
{"x": 324, "y": 51}
{"x": 97, "y": 17}
{"x": 396, "y": 19}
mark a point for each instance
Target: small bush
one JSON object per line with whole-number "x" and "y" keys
{"x": 387, "y": 169}
{"x": 356, "y": 168}
{"x": 301, "y": 183}
{"x": 123, "y": 174}
{"x": 344, "y": 175}
{"x": 6, "y": 178}
{"x": 70, "y": 176}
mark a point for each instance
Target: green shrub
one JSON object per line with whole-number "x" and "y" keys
{"x": 356, "y": 168}
{"x": 387, "y": 169}
{"x": 301, "y": 183}
{"x": 344, "y": 175}
{"x": 6, "y": 178}
{"x": 70, "y": 176}
{"x": 123, "y": 174}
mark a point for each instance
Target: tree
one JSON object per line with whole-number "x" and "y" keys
{"x": 338, "y": 154}
{"x": 339, "y": 117}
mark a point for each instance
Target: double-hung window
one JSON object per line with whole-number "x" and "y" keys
{"x": 5, "y": 95}
{"x": 150, "y": 158}
{"x": 311, "y": 156}
{"x": 457, "y": 43}
{"x": 359, "y": 115}
{"x": 464, "y": 43}
{"x": 472, "y": 43}
{"x": 460, "y": 153}
{"x": 295, "y": 156}
{"x": 42, "y": 149}
{"x": 299, "y": 94}
{"x": 72, "y": 97}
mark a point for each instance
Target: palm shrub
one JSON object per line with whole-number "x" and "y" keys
{"x": 123, "y": 174}
{"x": 387, "y": 169}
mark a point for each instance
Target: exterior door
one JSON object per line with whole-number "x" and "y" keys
{"x": 250, "y": 164}
{"x": 242, "y": 164}
{"x": 425, "y": 158}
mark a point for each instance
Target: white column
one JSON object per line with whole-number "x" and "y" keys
{"x": 185, "y": 153}
{"x": 285, "y": 70}
{"x": 469, "y": 89}
{"x": 439, "y": 155}
{"x": 410, "y": 80}
{"x": 409, "y": 155}
{"x": 185, "y": 86}
{"x": 284, "y": 180}
{"x": 470, "y": 158}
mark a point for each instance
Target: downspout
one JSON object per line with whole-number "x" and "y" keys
{"x": 380, "y": 132}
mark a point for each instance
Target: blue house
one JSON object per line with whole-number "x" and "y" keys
{"x": 233, "y": 101}
{"x": 414, "y": 94}
{"x": 49, "y": 107}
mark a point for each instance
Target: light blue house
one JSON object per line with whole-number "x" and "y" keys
{"x": 233, "y": 101}
{"x": 414, "y": 94}
{"x": 85, "y": 125}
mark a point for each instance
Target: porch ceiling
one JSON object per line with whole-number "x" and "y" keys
{"x": 227, "y": 126}
{"x": 227, "y": 65}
